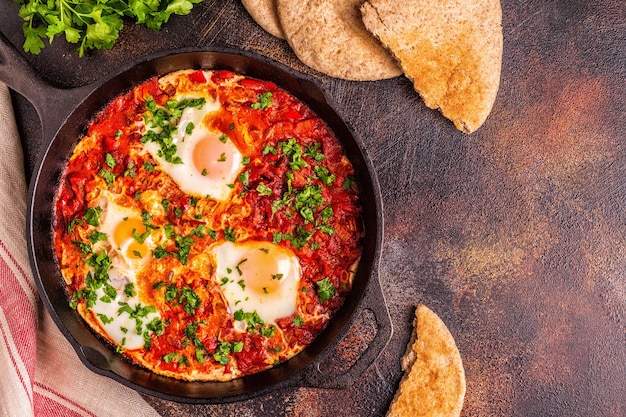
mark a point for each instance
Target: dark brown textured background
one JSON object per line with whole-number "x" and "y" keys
{"x": 515, "y": 235}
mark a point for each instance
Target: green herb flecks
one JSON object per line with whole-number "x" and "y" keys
{"x": 264, "y": 100}
{"x": 161, "y": 123}
{"x": 91, "y": 24}
{"x": 223, "y": 351}
{"x": 185, "y": 297}
{"x": 254, "y": 323}
{"x": 325, "y": 290}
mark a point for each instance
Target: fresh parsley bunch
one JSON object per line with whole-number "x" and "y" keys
{"x": 93, "y": 24}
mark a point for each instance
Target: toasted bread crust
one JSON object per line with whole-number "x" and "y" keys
{"x": 329, "y": 36}
{"x": 451, "y": 50}
{"x": 433, "y": 384}
{"x": 265, "y": 14}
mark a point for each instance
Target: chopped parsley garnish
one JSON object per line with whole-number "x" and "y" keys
{"x": 244, "y": 177}
{"x": 300, "y": 238}
{"x": 97, "y": 236}
{"x": 159, "y": 252}
{"x": 200, "y": 356}
{"x": 237, "y": 267}
{"x": 254, "y": 322}
{"x": 157, "y": 326}
{"x": 325, "y": 290}
{"x": 107, "y": 175}
{"x": 326, "y": 214}
{"x": 74, "y": 223}
{"x": 307, "y": 200}
{"x": 252, "y": 319}
{"x": 264, "y": 100}
{"x": 229, "y": 234}
{"x": 267, "y": 149}
{"x": 110, "y": 160}
{"x": 314, "y": 152}
{"x": 141, "y": 238}
{"x": 185, "y": 296}
{"x": 104, "y": 318}
{"x": 198, "y": 230}
{"x": 137, "y": 312}
{"x": 148, "y": 166}
{"x": 324, "y": 175}
{"x": 222, "y": 352}
{"x": 347, "y": 183}
{"x": 294, "y": 151}
{"x": 130, "y": 170}
{"x": 190, "y": 300}
{"x": 129, "y": 290}
{"x": 183, "y": 243}
{"x": 95, "y": 279}
{"x": 329, "y": 230}
{"x": 267, "y": 331}
{"x": 263, "y": 189}
{"x": 92, "y": 215}
{"x": 161, "y": 125}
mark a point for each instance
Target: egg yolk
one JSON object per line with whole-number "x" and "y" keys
{"x": 261, "y": 270}
{"x": 215, "y": 157}
{"x": 124, "y": 239}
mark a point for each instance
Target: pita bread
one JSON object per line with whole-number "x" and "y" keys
{"x": 434, "y": 381}
{"x": 264, "y": 13}
{"x": 450, "y": 49}
{"x": 329, "y": 36}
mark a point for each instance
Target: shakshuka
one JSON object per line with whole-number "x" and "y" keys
{"x": 208, "y": 225}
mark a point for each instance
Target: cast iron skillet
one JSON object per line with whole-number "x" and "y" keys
{"x": 64, "y": 114}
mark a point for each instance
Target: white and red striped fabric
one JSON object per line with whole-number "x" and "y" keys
{"x": 40, "y": 374}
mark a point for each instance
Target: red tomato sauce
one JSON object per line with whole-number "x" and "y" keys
{"x": 296, "y": 190}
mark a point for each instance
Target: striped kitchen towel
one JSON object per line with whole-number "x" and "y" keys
{"x": 41, "y": 374}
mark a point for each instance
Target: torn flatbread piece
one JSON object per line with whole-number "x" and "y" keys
{"x": 264, "y": 13}
{"x": 433, "y": 384}
{"x": 329, "y": 36}
{"x": 450, "y": 49}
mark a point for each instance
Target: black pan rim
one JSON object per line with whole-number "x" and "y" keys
{"x": 236, "y": 390}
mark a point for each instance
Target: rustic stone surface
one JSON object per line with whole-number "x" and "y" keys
{"x": 515, "y": 235}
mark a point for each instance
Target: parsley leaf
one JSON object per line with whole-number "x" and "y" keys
{"x": 91, "y": 24}
{"x": 325, "y": 290}
{"x": 264, "y": 101}
{"x": 263, "y": 189}
{"x": 107, "y": 175}
{"x": 92, "y": 215}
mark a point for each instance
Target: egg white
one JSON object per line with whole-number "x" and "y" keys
{"x": 222, "y": 160}
{"x": 256, "y": 276}
{"x": 117, "y": 222}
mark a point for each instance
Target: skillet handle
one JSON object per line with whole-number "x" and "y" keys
{"x": 328, "y": 371}
{"x": 52, "y": 103}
